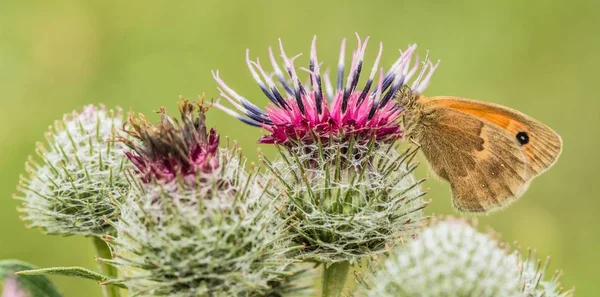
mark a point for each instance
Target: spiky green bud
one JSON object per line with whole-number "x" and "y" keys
{"x": 451, "y": 258}
{"x": 72, "y": 186}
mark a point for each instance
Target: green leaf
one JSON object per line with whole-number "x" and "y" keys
{"x": 78, "y": 272}
{"x": 36, "y": 286}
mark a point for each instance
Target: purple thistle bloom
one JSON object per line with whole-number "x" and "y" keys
{"x": 298, "y": 113}
{"x": 172, "y": 149}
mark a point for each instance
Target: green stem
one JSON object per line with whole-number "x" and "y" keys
{"x": 102, "y": 251}
{"x": 334, "y": 278}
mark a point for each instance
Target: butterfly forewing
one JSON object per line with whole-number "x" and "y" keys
{"x": 541, "y": 145}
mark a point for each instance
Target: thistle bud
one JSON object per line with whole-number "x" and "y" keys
{"x": 72, "y": 187}
{"x": 451, "y": 258}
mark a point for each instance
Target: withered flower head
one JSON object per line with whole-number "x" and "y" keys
{"x": 173, "y": 148}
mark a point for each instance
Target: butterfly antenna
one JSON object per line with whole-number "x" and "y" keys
{"x": 425, "y": 66}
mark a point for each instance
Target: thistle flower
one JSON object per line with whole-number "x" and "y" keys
{"x": 80, "y": 175}
{"x": 451, "y": 258}
{"x": 196, "y": 225}
{"x": 347, "y": 190}
{"x": 305, "y": 115}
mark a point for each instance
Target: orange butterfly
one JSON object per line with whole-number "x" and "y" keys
{"x": 489, "y": 153}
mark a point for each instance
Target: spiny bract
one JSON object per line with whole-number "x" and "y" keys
{"x": 348, "y": 201}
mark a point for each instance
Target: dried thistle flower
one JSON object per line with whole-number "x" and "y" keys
{"x": 170, "y": 149}
{"x": 451, "y": 258}
{"x": 78, "y": 177}
{"x": 347, "y": 191}
{"x": 197, "y": 224}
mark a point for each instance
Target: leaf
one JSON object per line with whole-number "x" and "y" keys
{"x": 78, "y": 272}
{"x": 36, "y": 286}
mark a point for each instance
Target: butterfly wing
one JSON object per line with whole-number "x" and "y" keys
{"x": 543, "y": 146}
{"x": 475, "y": 147}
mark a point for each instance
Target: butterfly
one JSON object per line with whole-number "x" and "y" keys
{"x": 487, "y": 152}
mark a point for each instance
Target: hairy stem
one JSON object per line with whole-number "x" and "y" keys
{"x": 334, "y": 278}
{"x": 102, "y": 251}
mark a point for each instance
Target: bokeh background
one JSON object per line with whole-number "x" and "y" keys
{"x": 541, "y": 57}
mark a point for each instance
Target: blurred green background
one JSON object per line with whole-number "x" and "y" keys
{"x": 541, "y": 57}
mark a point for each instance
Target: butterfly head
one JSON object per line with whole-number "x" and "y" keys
{"x": 406, "y": 97}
